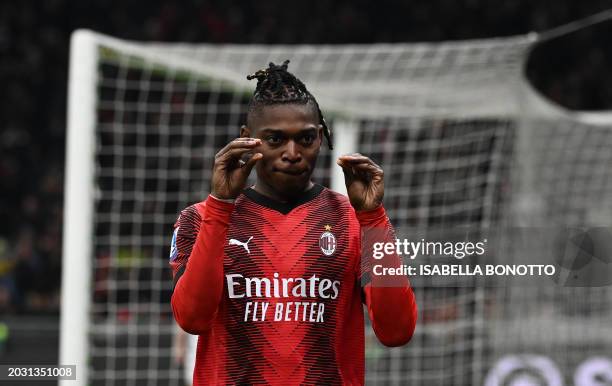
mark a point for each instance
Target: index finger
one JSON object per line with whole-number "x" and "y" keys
{"x": 238, "y": 143}
{"x": 355, "y": 159}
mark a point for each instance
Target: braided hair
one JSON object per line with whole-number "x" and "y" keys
{"x": 276, "y": 85}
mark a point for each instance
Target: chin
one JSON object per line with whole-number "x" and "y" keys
{"x": 292, "y": 186}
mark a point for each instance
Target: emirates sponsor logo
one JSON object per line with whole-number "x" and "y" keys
{"x": 314, "y": 287}
{"x": 273, "y": 292}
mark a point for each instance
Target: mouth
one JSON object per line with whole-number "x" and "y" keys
{"x": 292, "y": 172}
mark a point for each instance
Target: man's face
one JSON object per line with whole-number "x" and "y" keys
{"x": 291, "y": 138}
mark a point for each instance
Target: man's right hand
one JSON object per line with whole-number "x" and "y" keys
{"x": 230, "y": 173}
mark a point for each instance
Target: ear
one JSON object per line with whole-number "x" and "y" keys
{"x": 245, "y": 132}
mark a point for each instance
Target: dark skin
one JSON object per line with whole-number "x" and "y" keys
{"x": 284, "y": 141}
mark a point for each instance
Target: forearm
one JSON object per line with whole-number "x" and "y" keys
{"x": 198, "y": 291}
{"x": 390, "y": 300}
{"x": 393, "y": 313}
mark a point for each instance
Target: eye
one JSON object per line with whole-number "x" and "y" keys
{"x": 274, "y": 139}
{"x": 308, "y": 139}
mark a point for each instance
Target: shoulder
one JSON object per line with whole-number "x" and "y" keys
{"x": 189, "y": 219}
{"x": 186, "y": 229}
{"x": 337, "y": 199}
{"x": 337, "y": 202}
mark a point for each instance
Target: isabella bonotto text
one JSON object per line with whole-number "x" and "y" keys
{"x": 467, "y": 270}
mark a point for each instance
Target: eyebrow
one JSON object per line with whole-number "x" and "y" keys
{"x": 269, "y": 130}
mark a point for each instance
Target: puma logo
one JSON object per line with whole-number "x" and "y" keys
{"x": 245, "y": 245}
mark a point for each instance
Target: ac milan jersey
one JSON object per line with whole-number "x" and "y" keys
{"x": 285, "y": 302}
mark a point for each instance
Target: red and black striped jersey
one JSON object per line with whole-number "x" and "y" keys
{"x": 274, "y": 289}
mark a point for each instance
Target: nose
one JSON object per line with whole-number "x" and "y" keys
{"x": 292, "y": 153}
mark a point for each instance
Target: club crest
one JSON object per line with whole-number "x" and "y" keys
{"x": 327, "y": 241}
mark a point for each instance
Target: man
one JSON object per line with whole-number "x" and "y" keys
{"x": 272, "y": 277}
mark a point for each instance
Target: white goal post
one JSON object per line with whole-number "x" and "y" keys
{"x": 78, "y": 205}
{"x": 464, "y": 141}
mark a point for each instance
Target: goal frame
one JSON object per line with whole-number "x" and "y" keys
{"x": 78, "y": 205}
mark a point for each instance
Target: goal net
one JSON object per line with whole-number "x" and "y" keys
{"x": 463, "y": 140}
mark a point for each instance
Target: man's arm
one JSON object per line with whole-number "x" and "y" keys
{"x": 199, "y": 278}
{"x": 389, "y": 299}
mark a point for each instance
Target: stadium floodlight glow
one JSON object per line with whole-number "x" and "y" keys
{"x": 462, "y": 137}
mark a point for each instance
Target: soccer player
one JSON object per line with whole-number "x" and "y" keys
{"x": 271, "y": 277}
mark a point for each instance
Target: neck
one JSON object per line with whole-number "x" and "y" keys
{"x": 265, "y": 189}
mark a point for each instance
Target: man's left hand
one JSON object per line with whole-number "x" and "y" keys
{"x": 364, "y": 181}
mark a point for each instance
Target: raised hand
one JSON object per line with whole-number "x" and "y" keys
{"x": 364, "y": 181}
{"x": 230, "y": 173}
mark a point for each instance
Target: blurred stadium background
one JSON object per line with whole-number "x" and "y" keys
{"x": 131, "y": 322}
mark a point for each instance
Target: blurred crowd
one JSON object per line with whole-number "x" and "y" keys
{"x": 34, "y": 42}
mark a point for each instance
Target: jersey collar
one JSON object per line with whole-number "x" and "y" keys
{"x": 283, "y": 207}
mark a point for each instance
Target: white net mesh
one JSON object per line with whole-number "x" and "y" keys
{"x": 460, "y": 143}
